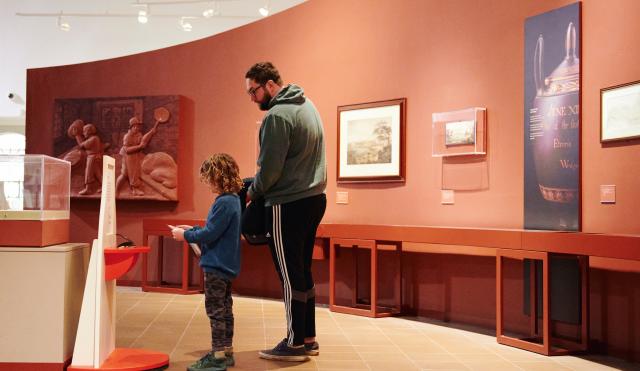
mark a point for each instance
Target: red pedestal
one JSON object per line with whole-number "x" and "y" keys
{"x": 124, "y": 359}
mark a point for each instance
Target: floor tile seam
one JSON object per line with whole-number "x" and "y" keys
{"x": 490, "y": 350}
{"x": 400, "y": 349}
{"x": 264, "y": 325}
{"x": 457, "y": 356}
{"x": 502, "y": 357}
{"x": 130, "y": 308}
{"x": 453, "y": 355}
{"x": 446, "y": 351}
{"x": 412, "y": 327}
{"x": 573, "y": 369}
{"x": 335, "y": 321}
{"x": 193, "y": 315}
{"x": 152, "y": 321}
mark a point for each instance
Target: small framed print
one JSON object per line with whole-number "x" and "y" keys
{"x": 620, "y": 112}
{"x": 371, "y": 139}
{"x": 460, "y": 132}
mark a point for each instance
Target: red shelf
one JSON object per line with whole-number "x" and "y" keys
{"x": 119, "y": 261}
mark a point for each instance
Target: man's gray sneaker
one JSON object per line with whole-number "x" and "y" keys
{"x": 283, "y": 352}
{"x": 312, "y": 349}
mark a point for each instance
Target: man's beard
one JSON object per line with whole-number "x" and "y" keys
{"x": 266, "y": 99}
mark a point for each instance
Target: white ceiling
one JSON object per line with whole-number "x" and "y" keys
{"x": 30, "y": 42}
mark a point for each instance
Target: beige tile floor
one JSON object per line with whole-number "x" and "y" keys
{"x": 178, "y": 326}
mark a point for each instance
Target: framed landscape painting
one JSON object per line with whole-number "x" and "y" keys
{"x": 620, "y": 112}
{"x": 371, "y": 140}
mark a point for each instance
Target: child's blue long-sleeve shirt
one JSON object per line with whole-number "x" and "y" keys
{"x": 219, "y": 239}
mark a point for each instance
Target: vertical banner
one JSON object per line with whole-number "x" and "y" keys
{"x": 552, "y": 120}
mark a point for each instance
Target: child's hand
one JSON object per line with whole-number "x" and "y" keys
{"x": 178, "y": 234}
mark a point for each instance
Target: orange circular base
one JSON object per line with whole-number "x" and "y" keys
{"x": 124, "y": 359}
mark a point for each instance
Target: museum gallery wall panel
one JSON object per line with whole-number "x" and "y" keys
{"x": 433, "y": 53}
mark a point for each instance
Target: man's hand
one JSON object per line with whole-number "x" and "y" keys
{"x": 178, "y": 234}
{"x": 184, "y": 226}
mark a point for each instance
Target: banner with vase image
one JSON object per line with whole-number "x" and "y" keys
{"x": 552, "y": 120}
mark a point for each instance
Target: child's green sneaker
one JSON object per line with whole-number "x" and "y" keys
{"x": 209, "y": 363}
{"x": 230, "y": 360}
{"x": 228, "y": 355}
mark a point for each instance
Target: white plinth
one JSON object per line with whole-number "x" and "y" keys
{"x": 40, "y": 298}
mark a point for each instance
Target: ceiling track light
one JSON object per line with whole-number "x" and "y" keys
{"x": 186, "y": 25}
{"x": 207, "y": 13}
{"x": 142, "y": 11}
{"x": 63, "y": 25}
{"x": 264, "y": 11}
{"x": 212, "y": 11}
{"x": 142, "y": 16}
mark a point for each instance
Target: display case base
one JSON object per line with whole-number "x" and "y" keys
{"x": 34, "y": 233}
{"x": 31, "y": 366}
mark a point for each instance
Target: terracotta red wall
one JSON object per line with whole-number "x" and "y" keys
{"x": 440, "y": 55}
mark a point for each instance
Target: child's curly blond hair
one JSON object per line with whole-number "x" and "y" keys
{"x": 221, "y": 171}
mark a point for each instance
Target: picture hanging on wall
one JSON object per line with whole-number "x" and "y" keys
{"x": 371, "y": 139}
{"x": 620, "y": 112}
{"x": 552, "y": 120}
{"x": 141, "y": 133}
{"x": 460, "y": 133}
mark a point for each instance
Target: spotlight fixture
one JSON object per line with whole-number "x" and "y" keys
{"x": 63, "y": 25}
{"x": 143, "y": 15}
{"x": 143, "y": 12}
{"x": 207, "y": 13}
{"x": 186, "y": 26}
{"x": 213, "y": 10}
{"x": 264, "y": 11}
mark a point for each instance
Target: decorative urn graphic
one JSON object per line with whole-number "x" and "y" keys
{"x": 555, "y": 124}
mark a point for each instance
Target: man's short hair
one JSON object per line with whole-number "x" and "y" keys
{"x": 262, "y": 72}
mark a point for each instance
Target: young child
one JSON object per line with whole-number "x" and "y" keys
{"x": 219, "y": 242}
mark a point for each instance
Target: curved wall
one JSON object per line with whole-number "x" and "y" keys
{"x": 440, "y": 55}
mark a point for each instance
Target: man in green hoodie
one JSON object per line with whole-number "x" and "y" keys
{"x": 292, "y": 178}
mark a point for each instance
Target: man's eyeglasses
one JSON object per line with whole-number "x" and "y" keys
{"x": 252, "y": 91}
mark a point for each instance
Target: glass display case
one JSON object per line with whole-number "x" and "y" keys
{"x": 34, "y": 187}
{"x": 34, "y": 200}
{"x": 460, "y": 133}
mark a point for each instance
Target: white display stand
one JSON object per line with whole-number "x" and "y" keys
{"x": 95, "y": 340}
{"x": 40, "y": 298}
